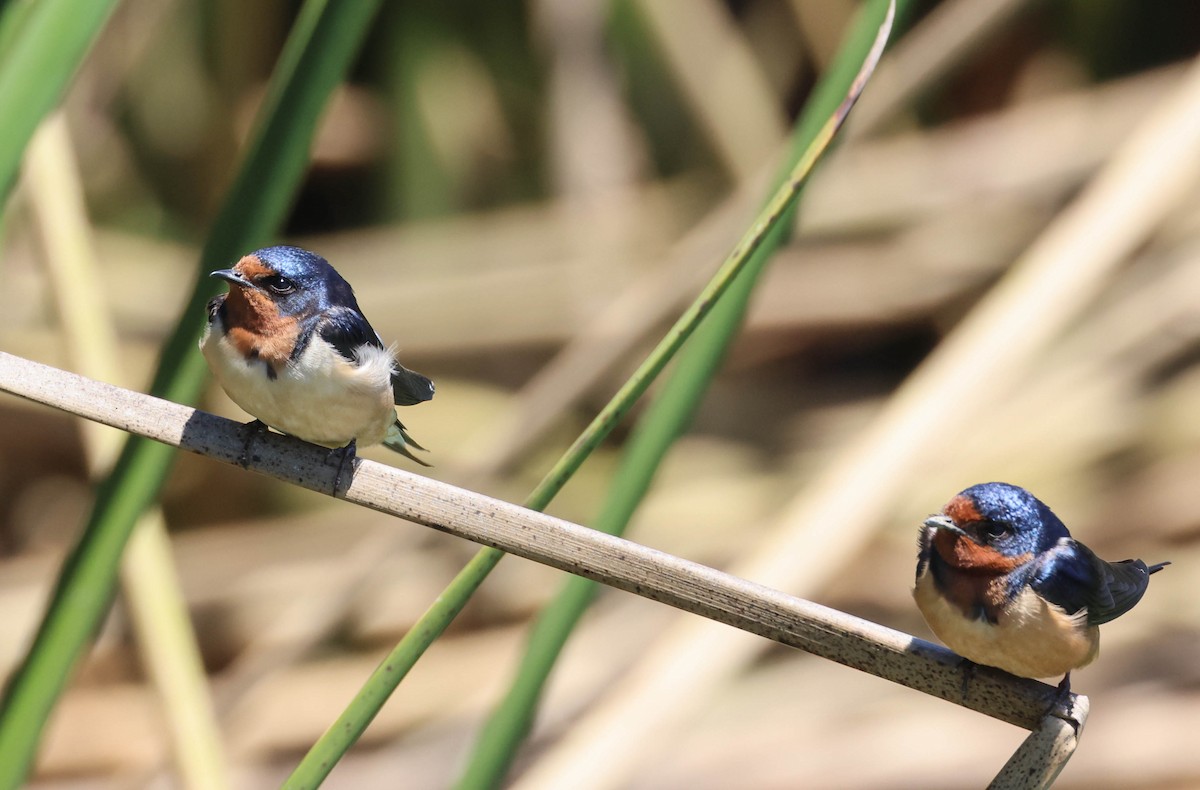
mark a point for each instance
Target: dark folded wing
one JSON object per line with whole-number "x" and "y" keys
{"x": 1120, "y": 586}
{"x": 346, "y": 330}
{"x": 1065, "y": 575}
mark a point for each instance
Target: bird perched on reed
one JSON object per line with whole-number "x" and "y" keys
{"x": 1001, "y": 581}
{"x": 289, "y": 344}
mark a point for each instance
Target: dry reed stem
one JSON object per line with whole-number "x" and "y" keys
{"x": 613, "y": 561}
{"x": 1041, "y": 756}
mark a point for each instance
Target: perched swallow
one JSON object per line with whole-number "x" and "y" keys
{"x": 289, "y": 344}
{"x": 1003, "y": 584}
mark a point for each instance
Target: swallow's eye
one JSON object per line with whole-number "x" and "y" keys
{"x": 996, "y": 530}
{"x": 278, "y": 284}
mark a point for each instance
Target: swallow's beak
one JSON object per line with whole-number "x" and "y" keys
{"x": 232, "y": 275}
{"x": 946, "y": 523}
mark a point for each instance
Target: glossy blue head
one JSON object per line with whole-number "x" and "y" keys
{"x": 1000, "y": 519}
{"x": 295, "y": 281}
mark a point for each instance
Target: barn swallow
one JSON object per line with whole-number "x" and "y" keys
{"x": 289, "y": 344}
{"x": 1003, "y": 584}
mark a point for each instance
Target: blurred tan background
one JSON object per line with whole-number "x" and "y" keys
{"x": 519, "y": 191}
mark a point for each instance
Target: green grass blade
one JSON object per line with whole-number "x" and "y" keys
{"x": 43, "y": 48}
{"x": 665, "y": 420}
{"x": 342, "y": 734}
{"x": 318, "y": 53}
{"x": 12, "y": 16}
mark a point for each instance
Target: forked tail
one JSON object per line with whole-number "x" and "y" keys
{"x": 398, "y": 439}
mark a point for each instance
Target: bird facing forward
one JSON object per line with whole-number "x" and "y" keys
{"x": 1003, "y": 584}
{"x": 289, "y": 344}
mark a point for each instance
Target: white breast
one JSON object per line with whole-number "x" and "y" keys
{"x": 319, "y": 397}
{"x": 1033, "y": 638}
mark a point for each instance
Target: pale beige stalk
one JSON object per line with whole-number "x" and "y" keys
{"x": 148, "y": 577}
{"x": 615, "y": 561}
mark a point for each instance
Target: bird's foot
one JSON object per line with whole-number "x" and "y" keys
{"x": 346, "y": 456}
{"x": 968, "y": 670}
{"x": 251, "y": 431}
{"x": 1062, "y": 699}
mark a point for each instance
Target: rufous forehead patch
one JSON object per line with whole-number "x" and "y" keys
{"x": 962, "y": 510}
{"x": 251, "y": 267}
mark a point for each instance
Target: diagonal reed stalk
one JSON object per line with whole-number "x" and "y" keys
{"x": 664, "y": 421}
{"x": 343, "y": 733}
{"x": 621, "y": 563}
{"x": 315, "y": 59}
{"x": 1055, "y": 722}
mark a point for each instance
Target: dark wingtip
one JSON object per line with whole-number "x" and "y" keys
{"x": 407, "y": 453}
{"x": 417, "y": 460}
{"x": 402, "y": 443}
